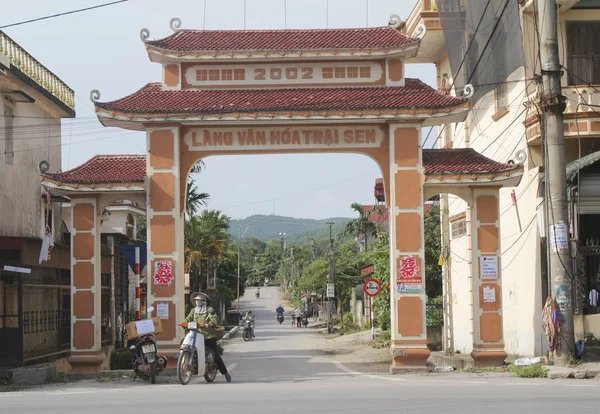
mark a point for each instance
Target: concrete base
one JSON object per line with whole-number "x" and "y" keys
{"x": 408, "y": 359}
{"x": 87, "y": 363}
{"x": 488, "y": 358}
{"x": 33, "y": 375}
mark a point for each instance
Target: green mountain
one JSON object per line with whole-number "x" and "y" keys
{"x": 297, "y": 230}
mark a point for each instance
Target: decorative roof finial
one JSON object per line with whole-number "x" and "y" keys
{"x": 144, "y": 35}
{"x": 468, "y": 91}
{"x": 396, "y": 22}
{"x": 94, "y": 95}
{"x": 175, "y": 24}
{"x": 421, "y": 30}
{"x": 520, "y": 157}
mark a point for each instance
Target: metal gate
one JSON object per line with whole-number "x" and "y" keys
{"x": 586, "y": 276}
{"x": 11, "y": 319}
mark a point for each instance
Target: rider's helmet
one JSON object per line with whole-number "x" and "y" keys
{"x": 200, "y": 297}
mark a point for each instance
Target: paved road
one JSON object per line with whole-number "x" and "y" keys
{"x": 282, "y": 371}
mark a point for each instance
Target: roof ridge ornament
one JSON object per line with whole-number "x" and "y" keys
{"x": 421, "y": 30}
{"x": 144, "y": 35}
{"x": 94, "y": 95}
{"x": 395, "y": 22}
{"x": 468, "y": 90}
{"x": 520, "y": 158}
{"x": 175, "y": 24}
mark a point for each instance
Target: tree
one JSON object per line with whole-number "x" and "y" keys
{"x": 361, "y": 224}
{"x": 433, "y": 248}
{"x": 194, "y": 198}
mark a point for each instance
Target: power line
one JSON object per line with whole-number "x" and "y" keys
{"x": 63, "y": 14}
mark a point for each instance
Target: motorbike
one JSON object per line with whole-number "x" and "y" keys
{"x": 257, "y": 294}
{"x": 304, "y": 320}
{"x": 280, "y": 318}
{"x": 194, "y": 358}
{"x": 146, "y": 364}
{"x": 247, "y": 333}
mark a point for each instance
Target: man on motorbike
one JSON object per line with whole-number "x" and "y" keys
{"x": 280, "y": 309}
{"x": 250, "y": 318}
{"x": 257, "y": 292}
{"x": 205, "y": 314}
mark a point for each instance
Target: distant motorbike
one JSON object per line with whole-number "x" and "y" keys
{"x": 257, "y": 294}
{"x": 304, "y": 320}
{"x": 247, "y": 333}
{"x": 280, "y": 318}
{"x": 194, "y": 357}
{"x": 146, "y": 364}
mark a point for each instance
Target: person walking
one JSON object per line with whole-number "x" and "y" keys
{"x": 298, "y": 316}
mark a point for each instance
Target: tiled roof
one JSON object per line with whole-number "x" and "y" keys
{"x": 105, "y": 169}
{"x": 298, "y": 39}
{"x": 461, "y": 161}
{"x": 152, "y": 99}
{"x": 132, "y": 169}
{"x": 376, "y": 216}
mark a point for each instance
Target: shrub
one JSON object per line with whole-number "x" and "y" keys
{"x": 531, "y": 371}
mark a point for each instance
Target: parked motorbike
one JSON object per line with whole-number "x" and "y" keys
{"x": 280, "y": 318}
{"x": 247, "y": 333}
{"x": 304, "y": 320}
{"x": 146, "y": 364}
{"x": 194, "y": 357}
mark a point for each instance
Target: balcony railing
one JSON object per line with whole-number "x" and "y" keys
{"x": 579, "y": 97}
{"x": 36, "y": 71}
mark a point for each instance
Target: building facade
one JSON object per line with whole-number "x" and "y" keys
{"x": 505, "y": 125}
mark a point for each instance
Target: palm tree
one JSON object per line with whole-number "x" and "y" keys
{"x": 194, "y": 199}
{"x": 361, "y": 224}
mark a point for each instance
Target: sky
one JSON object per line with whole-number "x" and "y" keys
{"x": 101, "y": 49}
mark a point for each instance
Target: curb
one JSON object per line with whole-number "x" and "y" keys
{"x": 565, "y": 373}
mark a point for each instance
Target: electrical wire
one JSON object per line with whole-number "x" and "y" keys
{"x": 63, "y": 14}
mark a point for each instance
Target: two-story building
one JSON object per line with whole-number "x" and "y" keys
{"x": 506, "y": 125}
{"x": 36, "y": 305}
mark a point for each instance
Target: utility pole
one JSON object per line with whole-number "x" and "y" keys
{"x": 331, "y": 277}
{"x": 447, "y": 278}
{"x": 552, "y": 104}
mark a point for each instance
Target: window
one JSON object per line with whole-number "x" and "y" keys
{"x": 583, "y": 52}
{"x": 129, "y": 226}
{"x": 239, "y": 74}
{"x": 459, "y": 226}
{"x": 500, "y": 96}
{"x": 327, "y": 73}
{"x": 9, "y": 153}
{"x": 227, "y": 74}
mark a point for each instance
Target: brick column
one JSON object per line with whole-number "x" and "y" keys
{"x": 488, "y": 339}
{"x": 165, "y": 233}
{"x": 86, "y": 322}
{"x": 407, "y": 254}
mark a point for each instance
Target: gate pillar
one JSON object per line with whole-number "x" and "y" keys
{"x": 407, "y": 253}
{"x": 165, "y": 276}
{"x": 488, "y": 338}
{"x": 86, "y": 321}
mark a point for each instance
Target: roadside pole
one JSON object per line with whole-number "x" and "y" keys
{"x": 332, "y": 279}
{"x": 552, "y": 104}
{"x": 372, "y": 288}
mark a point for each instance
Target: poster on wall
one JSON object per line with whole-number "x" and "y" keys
{"x": 162, "y": 310}
{"x": 488, "y": 267}
{"x": 559, "y": 237}
{"x": 409, "y": 279}
{"x": 489, "y": 294}
{"x": 163, "y": 273}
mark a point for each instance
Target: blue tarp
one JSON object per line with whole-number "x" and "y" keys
{"x": 128, "y": 251}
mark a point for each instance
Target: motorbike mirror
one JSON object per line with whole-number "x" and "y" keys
{"x": 150, "y": 309}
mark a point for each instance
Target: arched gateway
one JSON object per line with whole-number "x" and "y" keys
{"x": 274, "y": 92}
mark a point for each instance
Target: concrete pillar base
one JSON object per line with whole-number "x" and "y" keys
{"x": 488, "y": 358}
{"x": 87, "y": 363}
{"x": 408, "y": 359}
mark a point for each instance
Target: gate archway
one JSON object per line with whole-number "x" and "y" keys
{"x": 290, "y": 91}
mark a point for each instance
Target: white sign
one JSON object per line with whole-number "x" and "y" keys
{"x": 162, "y": 310}
{"x": 283, "y": 138}
{"x": 285, "y": 74}
{"x": 488, "y": 267}
{"x": 489, "y": 294}
{"x": 372, "y": 287}
{"x": 145, "y": 326}
{"x": 559, "y": 237}
{"x": 17, "y": 269}
{"x": 330, "y": 290}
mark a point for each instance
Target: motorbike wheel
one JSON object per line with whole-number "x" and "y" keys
{"x": 184, "y": 373}
{"x": 210, "y": 373}
{"x": 152, "y": 369}
{"x": 246, "y": 335}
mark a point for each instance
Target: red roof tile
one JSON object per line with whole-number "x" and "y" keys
{"x": 105, "y": 169}
{"x": 460, "y": 161}
{"x": 152, "y": 99}
{"x": 375, "y": 216}
{"x": 299, "y": 39}
{"x": 132, "y": 169}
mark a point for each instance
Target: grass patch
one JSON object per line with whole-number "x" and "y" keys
{"x": 8, "y": 386}
{"x": 57, "y": 378}
{"x": 531, "y": 371}
{"x": 382, "y": 340}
